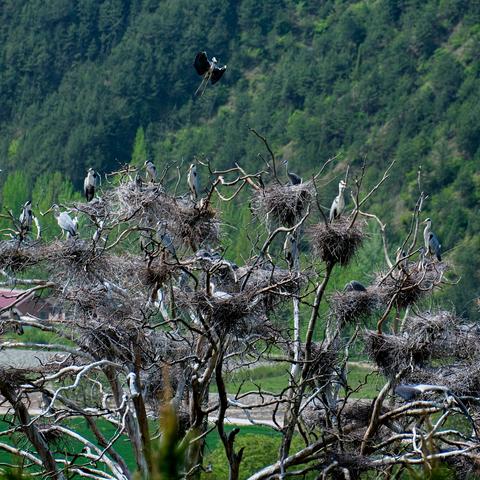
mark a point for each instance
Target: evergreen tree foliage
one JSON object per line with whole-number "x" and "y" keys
{"x": 103, "y": 83}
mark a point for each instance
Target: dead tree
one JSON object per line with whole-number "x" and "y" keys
{"x": 150, "y": 313}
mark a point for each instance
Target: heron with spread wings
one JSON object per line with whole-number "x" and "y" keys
{"x": 209, "y": 69}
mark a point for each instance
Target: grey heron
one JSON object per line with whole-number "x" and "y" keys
{"x": 26, "y": 218}
{"x": 422, "y": 263}
{"x": 151, "y": 170}
{"x": 132, "y": 385}
{"x": 432, "y": 244}
{"x": 293, "y": 177}
{"x": 165, "y": 238}
{"x": 338, "y": 204}
{"x": 290, "y": 249}
{"x": 209, "y": 69}
{"x": 193, "y": 182}
{"x": 89, "y": 184}
{"x": 64, "y": 221}
{"x": 219, "y": 294}
{"x": 401, "y": 260}
{"x": 354, "y": 286}
{"x": 138, "y": 181}
{"x": 411, "y": 391}
{"x": 98, "y": 232}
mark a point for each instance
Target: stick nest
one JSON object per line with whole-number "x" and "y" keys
{"x": 354, "y": 306}
{"x": 391, "y": 353}
{"x": 286, "y": 204}
{"x": 411, "y": 287}
{"x": 16, "y": 256}
{"x": 336, "y": 242}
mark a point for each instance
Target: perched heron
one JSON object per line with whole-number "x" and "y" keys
{"x": 401, "y": 260}
{"x": 338, "y": 204}
{"x": 422, "y": 263}
{"x": 132, "y": 385}
{"x": 26, "y": 218}
{"x": 209, "y": 69}
{"x": 64, "y": 221}
{"x": 293, "y": 177}
{"x": 193, "y": 182}
{"x": 165, "y": 238}
{"x": 411, "y": 391}
{"x": 151, "y": 171}
{"x": 98, "y": 232}
{"x": 290, "y": 249}
{"x": 89, "y": 184}
{"x": 138, "y": 181}
{"x": 354, "y": 286}
{"x": 218, "y": 294}
{"x": 432, "y": 244}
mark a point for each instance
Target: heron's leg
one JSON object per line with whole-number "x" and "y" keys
{"x": 199, "y": 91}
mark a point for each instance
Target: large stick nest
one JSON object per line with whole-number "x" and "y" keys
{"x": 391, "y": 353}
{"x": 16, "y": 257}
{"x": 409, "y": 287}
{"x": 232, "y": 314}
{"x": 194, "y": 226}
{"x": 336, "y": 242}
{"x": 427, "y": 337}
{"x": 286, "y": 204}
{"x": 354, "y": 306}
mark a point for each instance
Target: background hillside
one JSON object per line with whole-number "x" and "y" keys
{"x": 101, "y": 83}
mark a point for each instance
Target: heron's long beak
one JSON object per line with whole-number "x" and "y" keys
{"x": 48, "y": 211}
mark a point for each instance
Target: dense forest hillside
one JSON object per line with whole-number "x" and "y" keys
{"x": 104, "y": 82}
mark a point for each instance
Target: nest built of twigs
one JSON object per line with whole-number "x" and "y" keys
{"x": 409, "y": 287}
{"x": 16, "y": 256}
{"x": 194, "y": 226}
{"x": 354, "y": 306}
{"x": 391, "y": 353}
{"x": 233, "y": 314}
{"x": 286, "y": 204}
{"x": 336, "y": 242}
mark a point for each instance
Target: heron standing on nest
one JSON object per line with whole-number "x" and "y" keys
{"x": 89, "y": 184}
{"x": 293, "y": 177}
{"x": 432, "y": 244}
{"x": 193, "y": 182}
{"x": 354, "y": 286}
{"x": 151, "y": 171}
{"x": 338, "y": 204}
{"x": 209, "y": 69}
{"x": 64, "y": 221}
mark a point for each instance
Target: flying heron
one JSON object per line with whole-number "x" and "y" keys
{"x": 338, "y": 204}
{"x": 193, "y": 182}
{"x": 209, "y": 69}
{"x": 432, "y": 244}
{"x": 89, "y": 184}
{"x": 293, "y": 177}
{"x": 151, "y": 171}
{"x": 354, "y": 286}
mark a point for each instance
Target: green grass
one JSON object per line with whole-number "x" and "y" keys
{"x": 274, "y": 378}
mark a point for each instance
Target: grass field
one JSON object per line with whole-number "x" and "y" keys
{"x": 274, "y": 378}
